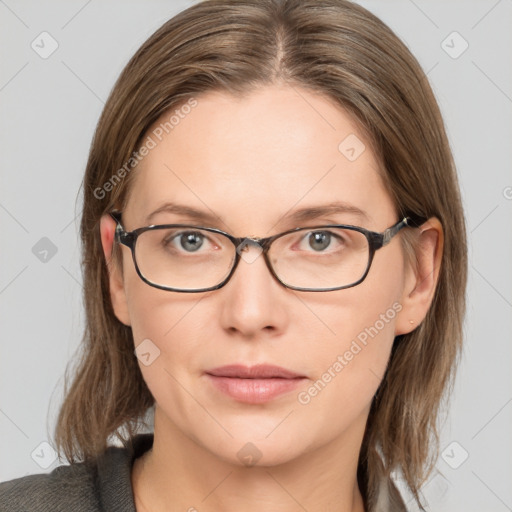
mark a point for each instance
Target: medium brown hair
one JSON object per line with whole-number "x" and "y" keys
{"x": 339, "y": 50}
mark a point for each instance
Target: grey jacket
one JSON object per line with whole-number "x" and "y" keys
{"x": 104, "y": 486}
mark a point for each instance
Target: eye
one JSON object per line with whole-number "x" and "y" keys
{"x": 319, "y": 241}
{"x": 189, "y": 241}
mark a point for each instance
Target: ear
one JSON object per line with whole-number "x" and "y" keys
{"x": 117, "y": 291}
{"x": 420, "y": 281}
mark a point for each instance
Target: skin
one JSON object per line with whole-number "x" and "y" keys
{"x": 251, "y": 161}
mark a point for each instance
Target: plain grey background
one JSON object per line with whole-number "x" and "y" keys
{"x": 49, "y": 108}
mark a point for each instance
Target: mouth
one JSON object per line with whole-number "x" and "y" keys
{"x": 255, "y": 384}
{"x": 259, "y": 371}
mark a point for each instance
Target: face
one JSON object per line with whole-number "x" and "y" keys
{"x": 251, "y": 163}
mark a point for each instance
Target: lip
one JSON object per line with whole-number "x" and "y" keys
{"x": 256, "y": 384}
{"x": 258, "y": 371}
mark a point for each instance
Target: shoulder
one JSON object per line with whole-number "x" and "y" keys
{"x": 93, "y": 486}
{"x": 71, "y": 487}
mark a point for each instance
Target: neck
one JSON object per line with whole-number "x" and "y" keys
{"x": 180, "y": 474}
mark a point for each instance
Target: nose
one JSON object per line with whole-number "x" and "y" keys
{"x": 253, "y": 301}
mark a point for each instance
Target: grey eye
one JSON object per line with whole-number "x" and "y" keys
{"x": 319, "y": 240}
{"x": 191, "y": 241}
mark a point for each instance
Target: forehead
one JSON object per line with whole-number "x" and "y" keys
{"x": 254, "y": 158}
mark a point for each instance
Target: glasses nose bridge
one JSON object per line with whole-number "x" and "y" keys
{"x": 262, "y": 242}
{"x": 246, "y": 241}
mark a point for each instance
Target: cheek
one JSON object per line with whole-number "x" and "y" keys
{"x": 167, "y": 326}
{"x": 351, "y": 358}
{"x": 347, "y": 372}
{"x": 350, "y": 362}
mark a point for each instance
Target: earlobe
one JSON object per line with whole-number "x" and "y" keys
{"x": 116, "y": 281}
{"x": 421, "y": 281}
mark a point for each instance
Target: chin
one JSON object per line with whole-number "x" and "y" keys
{"x": 258, "y": 451}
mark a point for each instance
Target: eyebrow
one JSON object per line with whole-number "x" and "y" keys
{"x": 299, "y": 215}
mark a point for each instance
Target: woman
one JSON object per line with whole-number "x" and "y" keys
{"x": 274, "y": 256}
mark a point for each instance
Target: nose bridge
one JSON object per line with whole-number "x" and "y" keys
{"x": 250, "y": 249}
{"x": 252, "y": 294}
{"x": 263, "y": 242}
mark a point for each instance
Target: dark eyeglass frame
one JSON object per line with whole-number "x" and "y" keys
{"x": 375, "y": 242}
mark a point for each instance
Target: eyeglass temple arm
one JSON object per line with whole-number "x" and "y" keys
{"x": 119, "y": 231}
{"x": 414, "y": 221}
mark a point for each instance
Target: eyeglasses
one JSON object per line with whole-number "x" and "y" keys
{"x": 187, "y": 258}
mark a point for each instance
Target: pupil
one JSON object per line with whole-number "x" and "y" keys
{"x": 320, "y": 240}
{"x": 191, "y": 241}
